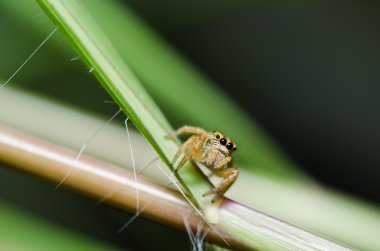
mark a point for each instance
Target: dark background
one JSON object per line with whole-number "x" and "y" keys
{"x": 309, "y": 73}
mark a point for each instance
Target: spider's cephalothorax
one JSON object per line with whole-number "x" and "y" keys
{"x": 214, "y": 150}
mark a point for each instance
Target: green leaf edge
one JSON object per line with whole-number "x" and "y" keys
{"x": 125, "y": 90}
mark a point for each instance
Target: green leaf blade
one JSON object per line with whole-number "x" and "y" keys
{"x": 93, "y": 46}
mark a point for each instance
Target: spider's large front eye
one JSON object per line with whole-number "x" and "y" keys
{"x": 229, "y": 146}
{"x": 223, "y": 141}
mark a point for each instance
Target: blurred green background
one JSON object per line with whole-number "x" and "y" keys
{"x": 308, "y": 72}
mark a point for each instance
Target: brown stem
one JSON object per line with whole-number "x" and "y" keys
{"x": 247, "y": 227}
{"x": 99, "y": 180}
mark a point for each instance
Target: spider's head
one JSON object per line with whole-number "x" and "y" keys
{"x": 223, "y": 143}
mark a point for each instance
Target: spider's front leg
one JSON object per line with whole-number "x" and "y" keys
{"x": 186, "y": 149}
{"x": 186, "y": 130}
{"x": 230, "y": 175}
{"x": 190, "y": 147}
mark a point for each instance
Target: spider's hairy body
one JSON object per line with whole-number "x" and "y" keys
{"x": 214, "y": 150}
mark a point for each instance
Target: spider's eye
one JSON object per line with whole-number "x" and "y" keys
{"x": 223, "y": 141}
{"x": 234, "y": 148}
{"x": 229, "y": 146}
{"x": 217, "y": 136}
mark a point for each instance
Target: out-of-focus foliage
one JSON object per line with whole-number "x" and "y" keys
{"x": 21, "y": 231}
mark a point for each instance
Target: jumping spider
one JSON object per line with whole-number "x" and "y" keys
{"x": 214, "y": 150}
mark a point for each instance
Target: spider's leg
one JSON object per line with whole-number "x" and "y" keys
{"x": 194, "y": 149}
{"x": 183, "y": 160}
{"x": 185, "y": 148}
{"x": 186, "y": 130}
{"x": 230, "y": 175}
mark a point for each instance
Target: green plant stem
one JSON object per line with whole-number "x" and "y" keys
{"x": 181, "y": 91}
{"x": 85, "y": 36}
